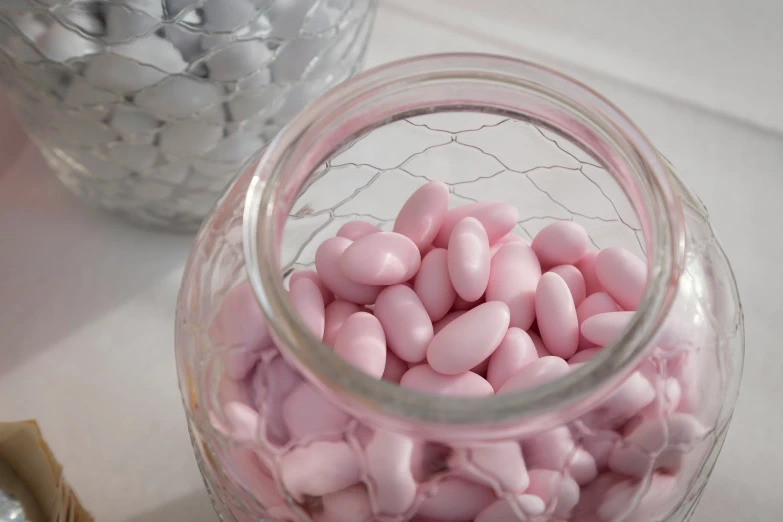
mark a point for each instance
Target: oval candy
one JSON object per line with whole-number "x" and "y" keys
{"x": 538, "y": 372}
{"x": 306, "y": 412}
{"x": 456, "y": 500}
{"x": 597, "y": 303}
{"x": 501, "y": 510}
{"x": 309, "y": 302}
{"x": 319, "y": 468}
{"x": 335, "y": 315}
{"x": 575, "y": 281}
{"x": 469, "y": 339}
{"x": 406, "y": 322}
{"x": 362, "y": 343}
{"x": 313, "y": 276}
{"x": 586, "y": 266}
{"x": 424, "y": 379}
{"x": 421, "y": 217}
{"x": 515, "y": 351}
{"x": 389, "y": 456}
{"x": 513, "y": 278}
{"x": 433, "y": 285}
{"x": 468, "y": 259}
{"x": 556, "y": 316}
{"x": 497, "y": 218}
{"x": 356, "y": 229}
{"x": 381, "y": 259}
{"x": 623, "y": 275}
{"x": 327, "y": 263}
{"x": 447, "y": 320}
{"x": 561, "y": 243}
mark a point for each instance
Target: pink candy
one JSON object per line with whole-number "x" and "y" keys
{"x": 469, "y": 339}
{"x": 468, "y": 259}
{"x": 382, "y": 258}
{"x": 451, "y": 302}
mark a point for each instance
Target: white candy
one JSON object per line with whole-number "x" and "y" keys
{"x": 60, "y": 43}
{"x": 324, "y": 18}
{"x": 179, "y": 97}
{"x": 175, "y": 7}
{"x": 119, "y": 74}
{"x": 22, "y": 47}
{"x": 173, "y": 173}
{"x": 297, "y": 99}
{"x": 257, "y": 81}
{"x": 287, "y": 16}
{"x": 152, "y": 190}
{"x": 238, "y": 60}
{"x": 134, "y": 157}
{"x": 132, "y": 122}
{"x": 188, "y": 43}
{"x": 99, "y": 167}
{"x": 293, "y": 60}
{"x": 80, "y": 93}
{"x": 187, "y": 138}
{"x": 236, "y": 148}
{"x": 137, "y": 17}
{"x": 227, "y": 15}
{"x": 155, "y": 51}
{"x": 81, "y": 130}
{"x": 247, "y": 106}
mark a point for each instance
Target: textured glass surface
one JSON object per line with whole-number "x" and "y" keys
{"x": 481, "y": 157}
{"x": 149, "y": 107}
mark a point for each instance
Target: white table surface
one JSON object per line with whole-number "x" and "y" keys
{"x": 87, "y": 308}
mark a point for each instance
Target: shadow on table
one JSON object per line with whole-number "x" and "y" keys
{"x": 63, "y": 265}
{"x": 196, "y": 507}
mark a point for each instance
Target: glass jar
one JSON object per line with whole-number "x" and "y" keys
{"x": 491, "y": 128}
{"x": 148, "y": 108}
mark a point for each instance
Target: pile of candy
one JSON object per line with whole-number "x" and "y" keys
{"x": 451, "y": 302}
{"x": 160, "y": 102}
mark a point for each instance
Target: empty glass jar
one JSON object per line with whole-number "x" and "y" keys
{"x": 148, "y": 108}
{"x": 491, "y": 128}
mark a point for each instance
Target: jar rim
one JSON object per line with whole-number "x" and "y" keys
{"x": 438, "y": 416}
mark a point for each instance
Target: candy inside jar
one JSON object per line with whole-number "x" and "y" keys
{"x": 456, "y": 315}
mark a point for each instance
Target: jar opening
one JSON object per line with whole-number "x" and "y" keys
{"x": 463, "y": 83}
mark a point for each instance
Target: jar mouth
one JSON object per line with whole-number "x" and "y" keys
{"x": 439, "y": 83}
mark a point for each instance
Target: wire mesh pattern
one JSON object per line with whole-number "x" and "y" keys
{"x": 481, "y": 157}
{"x": 149, "y": 107}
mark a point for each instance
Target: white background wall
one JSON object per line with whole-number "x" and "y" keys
{"x": 724, "y": 55}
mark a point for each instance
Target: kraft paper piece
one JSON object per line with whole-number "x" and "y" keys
{"x": 29, "y": 471}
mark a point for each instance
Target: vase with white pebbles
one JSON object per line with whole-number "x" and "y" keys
{"x": 148, "y": 108}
